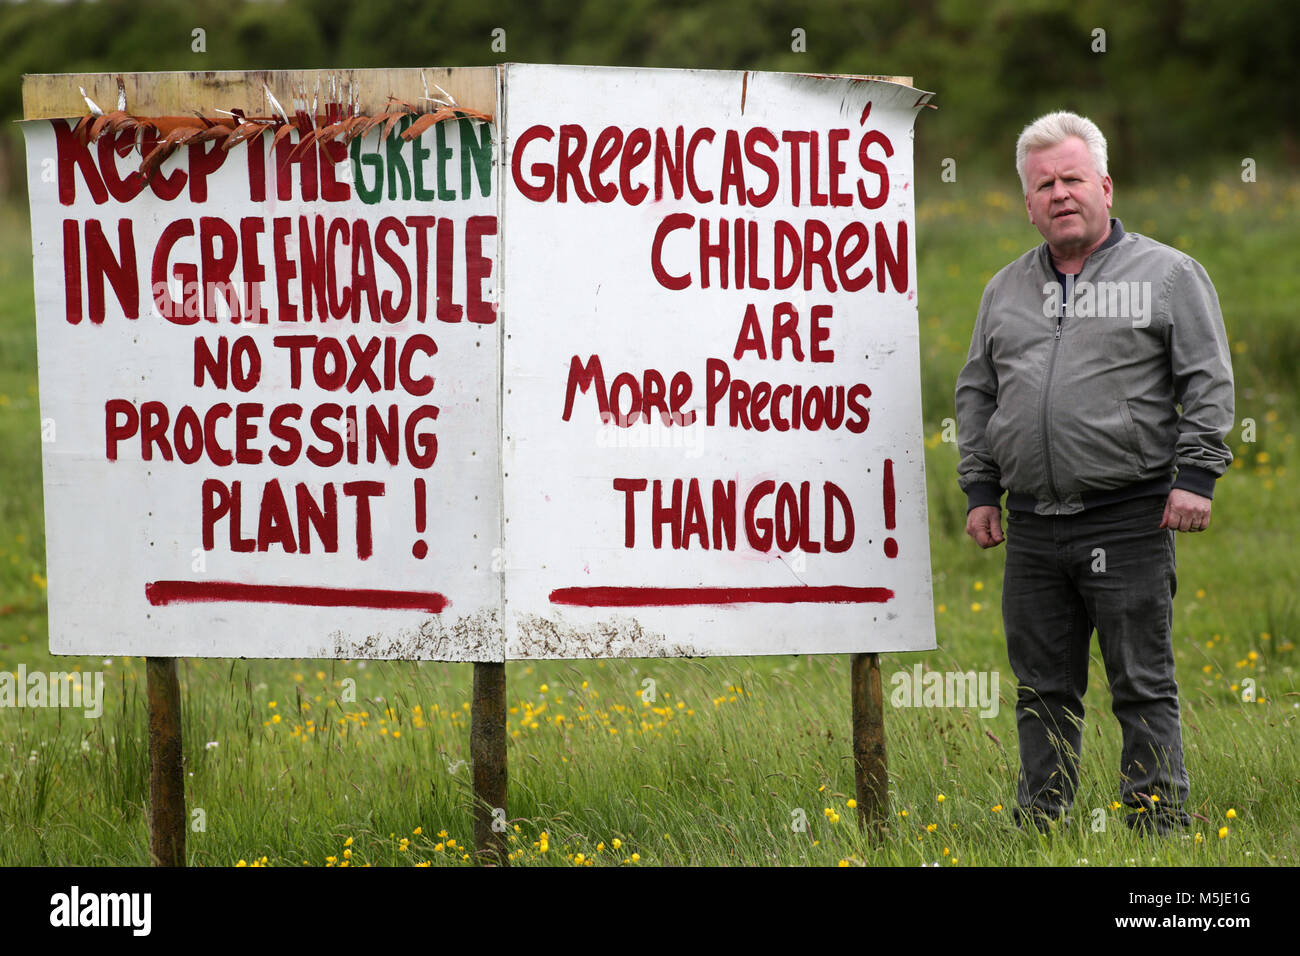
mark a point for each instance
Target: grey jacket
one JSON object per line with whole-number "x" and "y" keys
{"x": 1072, "y": 401}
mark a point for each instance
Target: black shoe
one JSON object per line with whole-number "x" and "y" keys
{"x": 1153, "y": 818}
{"x": 1158, "y": 822}
{"x": 1040, "y": 819}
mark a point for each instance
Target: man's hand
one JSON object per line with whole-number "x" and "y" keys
{"x": 984, "y": 524}
{"x": 1185, "y": 511}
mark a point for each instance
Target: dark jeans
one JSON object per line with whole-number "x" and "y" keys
{"x": 1109, "y": 568}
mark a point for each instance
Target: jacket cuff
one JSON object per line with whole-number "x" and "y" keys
{"x": 981, "y": 493}
{"x": 1199, "y": 481}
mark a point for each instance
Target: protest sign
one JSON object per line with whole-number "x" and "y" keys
{"x": 631, "y": 370}
{"x": 712, "y": 423}
{"x": 269, "y": 387}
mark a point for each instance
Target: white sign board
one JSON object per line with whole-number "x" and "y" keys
{"x": 713, "y": 437}
{"x": 270, "y": 392}
{"x": 285, "y": 416}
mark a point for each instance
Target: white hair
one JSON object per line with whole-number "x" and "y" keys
{"x": 1053, "y": 129}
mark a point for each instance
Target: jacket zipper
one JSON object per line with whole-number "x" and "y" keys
{"x": 1043, "y": 410}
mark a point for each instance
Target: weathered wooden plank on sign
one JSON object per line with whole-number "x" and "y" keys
{"x": 58, "y": 95}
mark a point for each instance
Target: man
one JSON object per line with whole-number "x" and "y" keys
{"x": 1083, "y": 351}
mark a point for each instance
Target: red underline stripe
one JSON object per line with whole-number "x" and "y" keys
{"x": 192, "y": 592}
{"x": 676, "y": 597}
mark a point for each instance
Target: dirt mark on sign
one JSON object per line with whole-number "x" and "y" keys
{"x": 471, "y": 637}
{"x": 544, "y": 637}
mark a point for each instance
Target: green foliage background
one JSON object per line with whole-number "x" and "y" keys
{"x": 1183, "y": 83}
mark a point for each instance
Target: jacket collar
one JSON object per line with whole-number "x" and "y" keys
{"x": 1116, "y": 234}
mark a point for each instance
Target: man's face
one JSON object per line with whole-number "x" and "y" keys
{"x": 1067, "y": 201}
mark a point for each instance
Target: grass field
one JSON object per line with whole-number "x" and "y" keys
{"x": 734, "y": 752}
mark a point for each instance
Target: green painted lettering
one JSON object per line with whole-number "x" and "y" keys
{"x": 442, "y": 152}
{"x": 476, "y": 151}
{"x": 368, "y": 194}
{"x": 396, "y": 164}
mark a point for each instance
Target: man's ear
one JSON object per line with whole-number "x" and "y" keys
{"x": 1108, "y": 190}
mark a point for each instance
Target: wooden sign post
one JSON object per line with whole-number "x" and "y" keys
{"x": 870, "y": 765}
{"x": 167, "y": 819}
{"x": 487, "y": 747}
